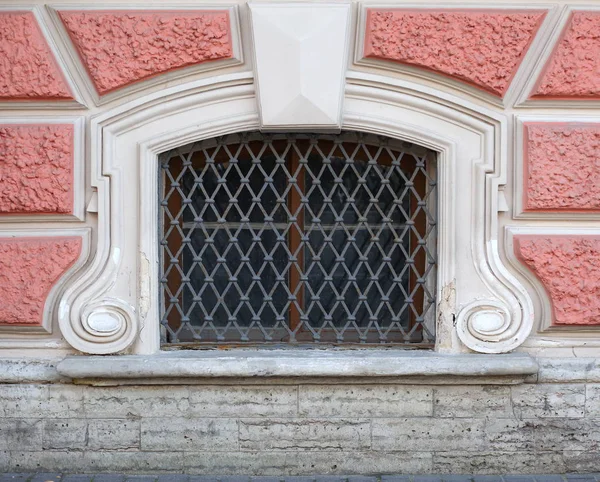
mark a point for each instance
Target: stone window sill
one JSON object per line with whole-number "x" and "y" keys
{"x": 293, "y": 366}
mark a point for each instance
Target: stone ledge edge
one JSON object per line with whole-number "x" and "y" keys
{"x": 408, "y": 367}
{"x": 30, "y": 370}
{"x": 521, "y": 368}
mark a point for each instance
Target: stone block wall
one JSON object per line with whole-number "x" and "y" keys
{"x": 300, "y": 429}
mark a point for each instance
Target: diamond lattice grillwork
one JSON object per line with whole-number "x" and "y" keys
{"x": 298, "y": 238}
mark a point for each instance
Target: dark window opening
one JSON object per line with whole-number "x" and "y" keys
{"x": 298, "y": 238}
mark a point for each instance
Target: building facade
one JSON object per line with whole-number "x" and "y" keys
{"x": 288, "y": 238}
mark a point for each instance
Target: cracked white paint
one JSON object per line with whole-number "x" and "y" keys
{"x": 145, "y": 286}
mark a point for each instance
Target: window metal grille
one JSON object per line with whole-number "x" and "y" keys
{"x": 298, "y": 238}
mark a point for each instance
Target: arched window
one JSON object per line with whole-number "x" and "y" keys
{"x": 298, "y": 238}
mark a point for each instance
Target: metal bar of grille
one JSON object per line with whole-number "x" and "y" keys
{"x": 297, "y": 238}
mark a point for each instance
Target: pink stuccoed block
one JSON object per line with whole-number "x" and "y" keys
{"x": 481, "y": 48}
{"x": 28, "y": 70}
{"x": 120, "y": 47}
{"x": 561, "y": 167}
{"x": 36, "y": 168}
{"x": 568, "y": 267}
{"x": 29, "y": 268}
{"x": 573, "y": 69}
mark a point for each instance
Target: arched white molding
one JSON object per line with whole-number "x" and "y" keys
{"x": 498, "y": 318}
{"x": 105, "y": 309}
{"x": 481, "y": 305}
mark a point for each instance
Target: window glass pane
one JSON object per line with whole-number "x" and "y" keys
{"x": 353, "y": 189}
{"x": 350, "y": 268}
{"x": 234, "y": 190}
{"x": 228, "y": 282}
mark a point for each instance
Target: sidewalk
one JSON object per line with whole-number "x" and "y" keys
{"x": 66, "y": 477}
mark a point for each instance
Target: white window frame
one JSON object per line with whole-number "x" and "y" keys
{"x": 481, "y": 307}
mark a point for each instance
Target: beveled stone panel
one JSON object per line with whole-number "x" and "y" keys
{"x": 28, "y": 69}
{"x": 571, "y": 72}
{"x": 122, "y": 47}
{"x": 29, "y": 267}
{"x": 36, "y": 168}
{"x": 481, "y": 48}
{"x": 568, "y": 268}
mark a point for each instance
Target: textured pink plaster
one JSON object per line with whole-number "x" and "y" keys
{"x": 29, "y": 268}
{"x": 482, "y": 48}
{"x": 28, "y": 70}
{"x": 119, "y": 48}
{"x": 561, "y": 167}
{"x": 569, "y": 269}
{"x": 573, "y": 70}
{"x": 36, "y": 168}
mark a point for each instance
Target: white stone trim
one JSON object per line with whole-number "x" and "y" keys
{"x": 550, "y": 369}
{"x": 568, "y": 370}
{"x": 127, "y": 140}
{"x": 510, "y": 300}
{"x": 297, "y": 89}
{"x": 30, "y": 370}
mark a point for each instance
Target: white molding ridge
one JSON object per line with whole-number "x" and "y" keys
{"x": 102, "y": 312}
{"x": 489, "y": 309}
{"x": 300, "y": 52}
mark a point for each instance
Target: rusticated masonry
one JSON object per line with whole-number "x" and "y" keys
{"x": 36, "y": 168}
{"x": 572, "y": 70}
{"x": 568, "y": 268}
{"x": 480, "y": 48}
{"x": 29, "y": 268}
{"x": 119, "y": 48}
{"x": 562, "y": 167}
{"x": 28, "y": 70}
